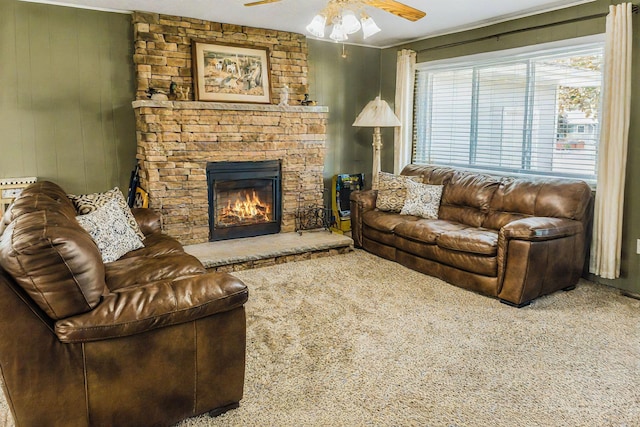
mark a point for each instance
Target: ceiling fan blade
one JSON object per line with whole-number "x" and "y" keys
{"x": 256, "y": 3}
{"x": 397, "y": 8}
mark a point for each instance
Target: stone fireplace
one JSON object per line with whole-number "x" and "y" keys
{"x": 177, "y": 139}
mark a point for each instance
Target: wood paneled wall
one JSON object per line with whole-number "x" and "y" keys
{"x": 65, "y": 97}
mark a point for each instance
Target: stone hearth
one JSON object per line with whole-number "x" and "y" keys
{"x": 262, "y": 251}
{"x": 176, "y": 139}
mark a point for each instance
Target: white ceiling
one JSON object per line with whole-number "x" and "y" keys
{"x": 293, "y": 15}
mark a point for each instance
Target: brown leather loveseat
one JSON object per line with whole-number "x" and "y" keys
{"x": 511, "y": 238}
{"x": 146, "y": 340}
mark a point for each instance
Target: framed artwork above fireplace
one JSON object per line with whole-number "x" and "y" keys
{"x": 230, "y": 73}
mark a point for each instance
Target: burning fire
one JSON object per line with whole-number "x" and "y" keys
{"x": 246, "y": 208}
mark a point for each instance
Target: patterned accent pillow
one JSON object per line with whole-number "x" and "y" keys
{"x": 422, "y": 200}
{"x": 108, "y": 227}
{"x": 392, "y": 191}
{"x": 87, "y": 203}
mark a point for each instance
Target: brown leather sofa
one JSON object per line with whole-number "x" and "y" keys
{"x": 147, "y": 340}
{"x": 510, "y": 238}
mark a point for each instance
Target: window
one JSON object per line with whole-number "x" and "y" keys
{"x": 534, "y": 114}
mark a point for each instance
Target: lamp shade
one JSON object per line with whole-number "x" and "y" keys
{"x": 377, "y": 113}
{"x": 369, "y": 27}
{"x": 350, "y": 23}
{"x": 316, "y": 27}
{"x": 338, "y": 33}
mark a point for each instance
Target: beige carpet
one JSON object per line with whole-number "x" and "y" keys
{"x": 354, "y": 340}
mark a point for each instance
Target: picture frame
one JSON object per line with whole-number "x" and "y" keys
{"x": 231, "y": 73}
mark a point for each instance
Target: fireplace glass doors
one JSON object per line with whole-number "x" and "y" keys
{"x": 244, "y": 199}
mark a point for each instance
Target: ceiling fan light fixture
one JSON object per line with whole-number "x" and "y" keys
{"x": 342, "y": 15}
{"x": 316, "y": 27}
{"x": 350, "y": 23}
{"x": 338, "y": 33}
{"x": 369, "y": 26}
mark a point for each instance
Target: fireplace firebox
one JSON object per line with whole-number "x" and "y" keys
{"x": 244, "y": 199}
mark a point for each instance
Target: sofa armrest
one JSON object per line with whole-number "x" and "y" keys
{"x": 154, "y": 305}
{"x": 538, "y": 256}
{"x": 149, "y": 220}
{"x": 364, "y": 199}
{"x": 360, "y": 202}
{"x": 541, "y": 228}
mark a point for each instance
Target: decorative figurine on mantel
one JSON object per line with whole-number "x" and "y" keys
{"x": 156, "y": 95}
{"x": 307, "y": 101}
{"x": 183, "y": 93}
{"x": 173, "y": 91}
{"x": 284, "y": 95}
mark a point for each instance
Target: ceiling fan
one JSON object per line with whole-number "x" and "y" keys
{"x": 391, "y": 6}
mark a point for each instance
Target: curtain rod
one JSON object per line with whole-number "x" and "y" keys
{"x": 634, "y": 9}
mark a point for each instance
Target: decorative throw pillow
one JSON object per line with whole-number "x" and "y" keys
{"x": 108, "y": 227}
{"x": 87, "y": 203}
{"x": 392, "y": 191}
{"x": 422, "y": 200}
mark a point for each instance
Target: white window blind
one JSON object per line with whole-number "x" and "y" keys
{"x": 535, "y": 113}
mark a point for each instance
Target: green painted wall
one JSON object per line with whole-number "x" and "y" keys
{"x": 345, "y": 85}
{"x": 526, "y": 34}
{"x": 65, "y": 101}
{"x": 68, "y": 82}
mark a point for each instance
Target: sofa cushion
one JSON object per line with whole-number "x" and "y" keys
{"x": 49, "y": 189}
{"x": 422, "y": 200}
{"x": 43, "y": 195}
{"x": 427, "y": 231}
{"x": 563, "y": 198}
{"x": 157, "y": 244}
{"x": 385, "y": 221}
{"x": 149, "y": 220}
{"x": 134, "y": 271}
{"x": 467, "y": 197}
{"x": 55, "y": 261}
{"x": 518, "y": 198}
{"x": 430, "y": 174}
{"x": 161, "y": 258}
{"x": 108, "y": 227}
{"x": 474, "y": 240}
{"x": 431, "y": 258}
{"x": 87, "y": 203}
{"x": 392, "y": 191}
{"x": 467, "y": 261}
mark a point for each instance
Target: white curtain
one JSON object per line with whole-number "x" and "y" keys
{"x": 612, "y": 153}
{"x": 403, "y": 135}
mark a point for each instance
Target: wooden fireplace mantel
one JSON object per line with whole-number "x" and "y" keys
{"x": 232, "y": 106}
